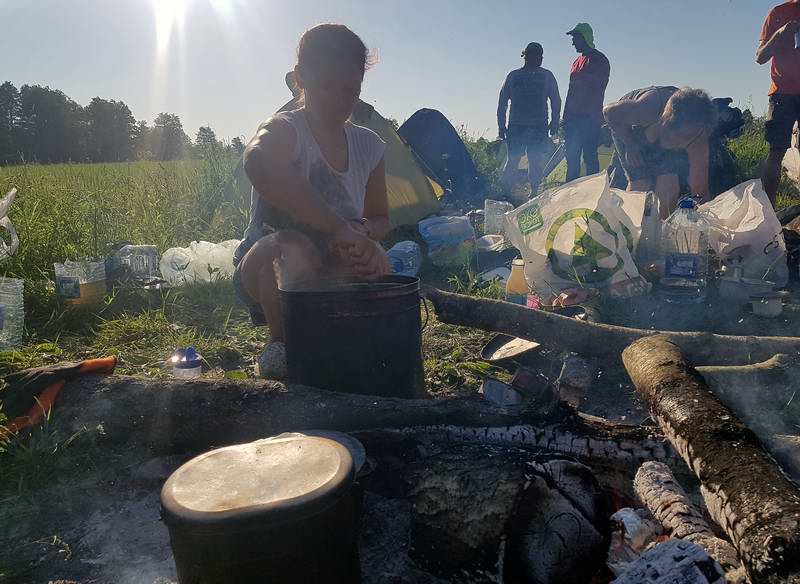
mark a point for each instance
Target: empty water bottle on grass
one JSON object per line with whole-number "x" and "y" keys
{"x": 684, "y": 249}
{"x": 138, "y": 262}
{"x": 405, "y": 258}
{"x": 12, "y": 313}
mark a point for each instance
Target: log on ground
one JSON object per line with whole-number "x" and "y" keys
{"x": 177, "y": 417}
{"x": 599, "y": 341}
{"x": 745, "y": 491}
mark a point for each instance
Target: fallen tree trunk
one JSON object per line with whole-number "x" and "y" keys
{"x": 175, "y": 417}
{"x": 744, "y": 490}
{"x": 668, "y": 502}
{"x": 770, "y": 384}
{"x": 600, "y": 341}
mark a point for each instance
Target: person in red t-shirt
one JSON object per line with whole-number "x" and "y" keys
{"x": 778, "y": 44}
{"x": 583, "y": 112}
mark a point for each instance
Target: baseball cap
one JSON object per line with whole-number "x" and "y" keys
{"x": 533, "y": 48}
{"x": 585, "y": 31}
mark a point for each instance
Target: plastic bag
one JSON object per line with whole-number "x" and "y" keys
{"x": 450, "y": 240}
{"x": 202, "y": 261}
{"x": 580, "y": 234}
{"x": 8, "y": 249}
{"x": 494, "y": 222}
{"x": 745, "y": 232}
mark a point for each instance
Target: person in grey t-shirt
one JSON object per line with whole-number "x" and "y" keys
{"x": 529, "y": 89}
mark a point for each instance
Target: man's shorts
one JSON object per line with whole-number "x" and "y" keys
{"x": 530, "y": 140}
{"x": 784, "y": 111}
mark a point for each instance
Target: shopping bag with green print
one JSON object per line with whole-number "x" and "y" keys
{"x": 580, "y": 235}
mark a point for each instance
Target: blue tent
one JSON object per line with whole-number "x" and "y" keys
{"x": 435, "y": 141}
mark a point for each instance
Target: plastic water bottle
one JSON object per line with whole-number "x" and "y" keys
{"x": 684, "y": 249}
{"x": 405, "y": 258}
{"x": 12, "y": 313}
{"x": 139, "y": 261}
{"x": 186, "y": 363}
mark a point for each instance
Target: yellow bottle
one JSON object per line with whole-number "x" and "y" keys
{"x": 516, "y": 286}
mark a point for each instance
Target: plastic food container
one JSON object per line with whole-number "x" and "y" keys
{"x": 768, "y": 304}
{"x": 81, "y": 283}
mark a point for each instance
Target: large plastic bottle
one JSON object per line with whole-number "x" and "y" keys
{"x": 684, "y": 249}
{"x": 137, "y": 261}
{"x": 12, "y": 313}
{"x": 405, "y": 258}
{"x": 517, "y": 286}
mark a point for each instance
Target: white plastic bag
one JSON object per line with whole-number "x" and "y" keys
{"x": 450, "y": 240}
{"x": 202, "y": 261}
{"x": 745, "y": 231}
{"x": 580, "y": 235}
{"x": 8, "y": 249}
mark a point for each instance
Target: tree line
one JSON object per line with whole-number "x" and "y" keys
{"x": 40, "y": 124}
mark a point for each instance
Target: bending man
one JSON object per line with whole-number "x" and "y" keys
{"x": 661, "y": 136}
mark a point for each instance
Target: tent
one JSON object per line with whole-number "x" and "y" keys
{"x": 412, "y": 194}
{"x": 434, "y": 139}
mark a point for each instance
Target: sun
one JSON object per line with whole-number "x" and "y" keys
{"x": 169, "y": 16}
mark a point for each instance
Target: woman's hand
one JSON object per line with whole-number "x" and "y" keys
{"x": 369, "y": 262}
{"x": 366, "y": 257}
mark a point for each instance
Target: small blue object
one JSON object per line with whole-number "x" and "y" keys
{"x": 686, "y": 204}
{"x": 186, "y": 358}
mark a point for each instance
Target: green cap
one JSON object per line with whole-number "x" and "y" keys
{"x": 585, "y": 31}
{"x": 533, "y": 49}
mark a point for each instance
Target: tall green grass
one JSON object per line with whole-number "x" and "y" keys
{"x": 74, "y": 211}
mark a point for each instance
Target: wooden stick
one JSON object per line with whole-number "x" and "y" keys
{"x": 601, "y": 341}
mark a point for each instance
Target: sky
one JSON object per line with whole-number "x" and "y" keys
{"x": 222, "y": 62}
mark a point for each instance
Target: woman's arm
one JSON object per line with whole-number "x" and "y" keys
{"x": 376, "y": 204}
{"x": 698, "y": 152}
{"x": 623, "y": 115}
{"x": 268, "y": 164}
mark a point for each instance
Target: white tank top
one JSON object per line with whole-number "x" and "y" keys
{"x": 344, "y": 191}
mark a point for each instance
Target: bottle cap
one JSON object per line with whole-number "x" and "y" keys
{"x": 686, "y": 204}
{"x": 186, "y": 358}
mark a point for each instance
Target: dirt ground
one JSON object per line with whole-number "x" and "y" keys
{"x": 100, "y": 523}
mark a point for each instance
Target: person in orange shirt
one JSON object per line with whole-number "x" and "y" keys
{"x": 779, "y": 44}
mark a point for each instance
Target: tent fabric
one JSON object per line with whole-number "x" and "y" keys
{"x": 434, "y": 139}
{"x": 412, "y": 194}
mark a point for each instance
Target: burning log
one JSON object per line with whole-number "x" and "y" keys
{"x": 744, "y": 490}
{"x": 594, "y": 340}
{"x": 179, "y": 417}
{"x": 668, "y": 502}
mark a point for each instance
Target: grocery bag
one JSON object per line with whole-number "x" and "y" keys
{"x": 580, "y": 234}
{"x": 745, "y": 232}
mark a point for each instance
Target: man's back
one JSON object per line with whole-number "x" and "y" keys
{"x": 528, "y": 89}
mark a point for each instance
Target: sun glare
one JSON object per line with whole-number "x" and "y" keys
{"x": 169, "y": 15}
